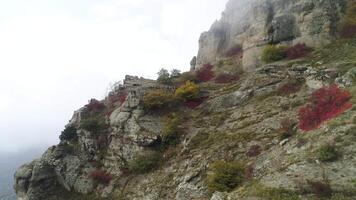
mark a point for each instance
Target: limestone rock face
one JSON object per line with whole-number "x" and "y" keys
{"x": 252, "y": 24}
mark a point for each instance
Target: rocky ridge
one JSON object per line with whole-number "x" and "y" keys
{"x": 239, "y": 121}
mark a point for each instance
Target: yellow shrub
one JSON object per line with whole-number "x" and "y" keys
{"x": 188, "y": 91}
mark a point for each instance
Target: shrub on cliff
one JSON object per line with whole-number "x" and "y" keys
{"x": 100, "y": 176}
{"x": 225, "y": 176}
{"x": 158, "y": 99}
{"x": 205, "y": 73}
{"x": 95, "y": 106}
{"x": 324, "y": 104}
{"x": 172, "y": 129}
{"x": 327, "y": 153}
{"x": 69, "y": 133}
{"x": 298, "y": 51}
{"x": 186, "y": 76}
{"x": 142, "y": 164}
{"x": 272, "y": 53}
{"x": 188, "y": 91}
{"x": 290, "y": 87}
{"x": 94, "y": 124}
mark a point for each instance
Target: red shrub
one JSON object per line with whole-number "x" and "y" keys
{"x": 205, "y": 73}
{"x": 324, "y": 104}
{"x": 100, "y": 176}
{"x": 95, "y": 106}
{"x": 298, "y": 51}
{"x": 348, "y": 31}
{"x": 226, "y": 78}
{"x": 289, "y": 88}
{"x": 192, "y": 104}
{"x": 254, "y": 151}
{"x": 234, "y": 51}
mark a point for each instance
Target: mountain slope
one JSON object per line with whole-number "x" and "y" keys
{"x": 280, "y": 130}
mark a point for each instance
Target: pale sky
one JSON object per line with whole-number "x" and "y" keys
{"x": 57, "y": 54}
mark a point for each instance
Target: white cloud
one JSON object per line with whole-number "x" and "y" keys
{"x": 51, "y": 64}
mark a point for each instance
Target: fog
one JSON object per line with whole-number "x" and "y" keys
{"x": 56, "y": 55}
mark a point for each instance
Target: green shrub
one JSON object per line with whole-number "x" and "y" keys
{"x": 164, "y": 77}
{"x": 69, "y": 133}
{"x": 272, "y": 53}
{"x": 142, "y": 164}
{"x": 188, "y": 91}
{"x": 225, "y": 176}
{"x": 171, "y": 130}
{"x": 93, "y": 124}
{"x": 328, "y": 153}
{"x": 187, "y": 76}
{"x": 158, "y": 99}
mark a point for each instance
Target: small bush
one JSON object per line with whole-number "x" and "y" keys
{"x": 226, "y": 78}
{"x": 187, "y": 76}
{"x": 69, "y": 133}
{"x": 95, "y": 106}
{"x": 158, "y": 100}
{"x": 254, "y": 151}
{"x": 324, "y": 104}
{"x": 192, "y": 104}
{"x": 225, "y": 176}
{"x": 272, "y": 53}
{"x": 321, "y": 189}
{"x": 287, "y": 128}
{"x": 298, "y": 51}
{"x": 234, "y": 51}
{"x": 172, "y": 129}
{"x": 93, "y": 124}
{"x": 328, "y": 153}
{"x": 142, "y": 164}
{"x": 205, "y": 73}
{"x": 100, "y": 176}
{"x": 291, "y": 87}
{"x": 188, "y": 91}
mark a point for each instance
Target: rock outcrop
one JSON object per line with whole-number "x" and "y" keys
{"x": 251, "y": 24}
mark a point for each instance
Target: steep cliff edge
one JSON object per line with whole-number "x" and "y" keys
{"x": 278, "y": 131}
{"x": 252, "y": 24}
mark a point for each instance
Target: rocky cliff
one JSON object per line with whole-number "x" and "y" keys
{"x": 244, "y": 137}
{"x": 251, "y": 24}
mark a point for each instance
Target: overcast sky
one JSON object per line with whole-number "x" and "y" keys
{"x": 57, "y": 54}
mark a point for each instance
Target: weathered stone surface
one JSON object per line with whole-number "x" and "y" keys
{"x": 254, "y": 23}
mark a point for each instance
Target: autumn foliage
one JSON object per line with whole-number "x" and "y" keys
{"x": 205, "y": 73}
{"x": 100, "y": 176}
{"x": 324, "y": 104}
{"x": 298, "y": 51}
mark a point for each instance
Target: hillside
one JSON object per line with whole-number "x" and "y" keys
{"x": 267, "y": 112}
